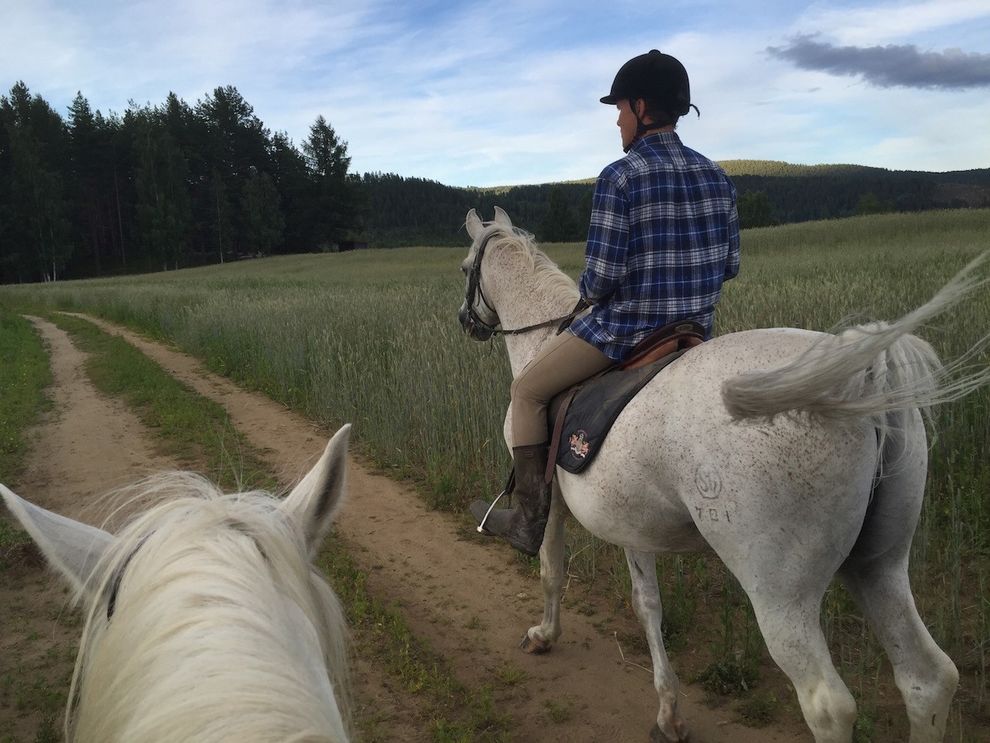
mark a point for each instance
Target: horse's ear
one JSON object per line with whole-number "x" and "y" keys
{"x": 473, "y": 224}
{"x": 502, "y": 218}
{"x": 313, "y": 503}
{"x": 71, "y": 547}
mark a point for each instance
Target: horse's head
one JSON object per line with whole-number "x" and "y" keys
{"x": 476, "y": 315}
{"x": 204, "y": 586}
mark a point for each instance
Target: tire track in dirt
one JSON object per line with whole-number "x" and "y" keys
{"x": 86, "y": 439}
{"x": 462, "y": 594}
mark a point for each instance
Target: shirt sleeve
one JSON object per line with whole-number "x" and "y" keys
{"x": 608, "y": 235}
{"x": 732, "y": 259}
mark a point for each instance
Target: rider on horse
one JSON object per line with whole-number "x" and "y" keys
{"x": 664, "y": 236}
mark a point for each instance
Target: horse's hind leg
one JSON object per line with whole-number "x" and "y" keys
{"x": 926, "y": 677}
{"x": 876, "y": 574}
{"x": 646, "y": 601}
{"x": 791, "y": 625}
{"x": 540, "y": 638}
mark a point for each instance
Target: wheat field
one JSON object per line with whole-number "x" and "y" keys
{"x": 371, "y": 337}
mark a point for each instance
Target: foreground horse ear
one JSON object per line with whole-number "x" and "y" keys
{"x": 71, "y": 547}
{"x": 502, "y": 218}
{"x": 473, "y": 223}
{"x": 313, "y": 503}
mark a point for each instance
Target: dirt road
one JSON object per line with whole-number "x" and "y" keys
{"x": 461, "y": 594}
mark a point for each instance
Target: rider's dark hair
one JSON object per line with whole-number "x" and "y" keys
{"x": 656, "y": 111}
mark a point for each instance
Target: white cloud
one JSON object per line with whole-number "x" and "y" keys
{"x": 881, "y": 23}
{"x": 507, "y": 91}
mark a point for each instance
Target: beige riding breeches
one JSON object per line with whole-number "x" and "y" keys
{"x": 565, "y": 361}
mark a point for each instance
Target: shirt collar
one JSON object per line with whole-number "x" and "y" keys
{"x": 662, "y": 139}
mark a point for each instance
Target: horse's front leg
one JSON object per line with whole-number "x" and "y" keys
{"x": 646, "y": 601}
{"x": 540, "y": 639}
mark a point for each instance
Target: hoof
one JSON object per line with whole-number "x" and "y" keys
{"x": 534, "y": 647}
{"x": 657, "y": 736}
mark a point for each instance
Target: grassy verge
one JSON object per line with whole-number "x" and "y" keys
{"x": 36, "y": 690}
{"x": 198, "y": 431}
{"x": 24, "y": 375}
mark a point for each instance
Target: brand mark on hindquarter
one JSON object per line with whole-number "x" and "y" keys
{"x": 708, "y": 481}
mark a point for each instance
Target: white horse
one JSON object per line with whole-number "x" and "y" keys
{"x": 701, "y": 460}
{"x": 205, "y": 620}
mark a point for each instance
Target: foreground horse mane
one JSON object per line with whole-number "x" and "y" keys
{"x": 210, "y": 577}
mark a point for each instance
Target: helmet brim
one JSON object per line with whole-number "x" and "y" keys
{"x": 610, "y": 100}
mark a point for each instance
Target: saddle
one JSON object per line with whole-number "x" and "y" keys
{"x": 581, "y": 417}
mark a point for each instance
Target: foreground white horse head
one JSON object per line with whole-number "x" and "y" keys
{"x": 205, "y": 620}
{"x": 765, "y": 447}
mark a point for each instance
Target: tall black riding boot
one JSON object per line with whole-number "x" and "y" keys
{"x": 523, "y": 525}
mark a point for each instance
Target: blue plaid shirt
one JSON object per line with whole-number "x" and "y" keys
{"x": 664, "y": 235}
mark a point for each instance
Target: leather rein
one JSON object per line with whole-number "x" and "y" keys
{"x": 475, "y": 292}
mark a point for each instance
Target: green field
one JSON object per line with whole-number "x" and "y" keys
{"x": 372, "y": 338}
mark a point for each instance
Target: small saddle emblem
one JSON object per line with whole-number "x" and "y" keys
{"x": 579, "y": 445}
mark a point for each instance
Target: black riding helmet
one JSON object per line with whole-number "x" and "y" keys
{"x": 658, "y": 77}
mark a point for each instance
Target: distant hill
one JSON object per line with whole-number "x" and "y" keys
{"x": 779, "y": 168}
{"x": 413, "y": 211}
{"x": 777, "y": 192}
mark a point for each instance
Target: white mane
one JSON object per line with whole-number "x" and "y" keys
{"x": 220, "y": 630}
{"x": 551, "y": 282}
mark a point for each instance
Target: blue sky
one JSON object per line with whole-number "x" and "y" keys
{"x": 506, "y": 92}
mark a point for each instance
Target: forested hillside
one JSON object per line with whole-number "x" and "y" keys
{"x": 174, "y": 184}
{"x": 427, "y": 213}
{"x": 161, "y": 187}
{"x": 414, "y": 211}
{"x": 776, "y": 192}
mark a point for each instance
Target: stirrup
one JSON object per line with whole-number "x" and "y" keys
{"x": 510, "y": 485}
{"x": 481, "y": 527}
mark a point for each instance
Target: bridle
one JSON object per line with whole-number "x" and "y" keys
{"x": 475, "y": 292}
{"x": 118, "y": 577}
{"x": 113, "y": 586}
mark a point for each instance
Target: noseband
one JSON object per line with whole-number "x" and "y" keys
{"x": 474, "y": 292}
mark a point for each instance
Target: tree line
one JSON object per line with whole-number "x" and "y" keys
{"x": 173, "y": 185}
{"x": 405, "y": 211}
{"x": 413, "y": 211}
{"x": 162, "y": 186}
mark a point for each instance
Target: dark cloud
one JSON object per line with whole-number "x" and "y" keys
{"x": 891, "y": 65}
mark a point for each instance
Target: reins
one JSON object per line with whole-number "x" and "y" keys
{"x": 474, "y": 291}
{"x": 561, "y": 322}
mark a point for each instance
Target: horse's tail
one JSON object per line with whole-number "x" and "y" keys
{"x": 868, "y": 370}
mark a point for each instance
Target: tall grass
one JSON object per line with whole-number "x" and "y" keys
{"x": 371, "y": 337}
{"x": 24, "y": 374}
